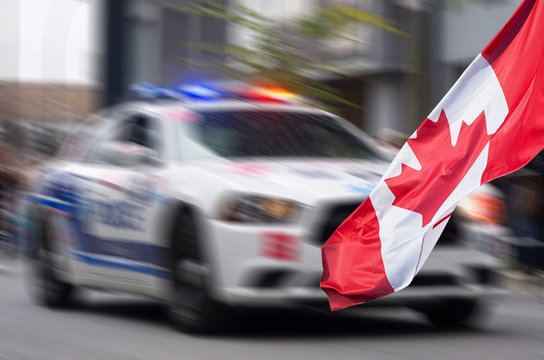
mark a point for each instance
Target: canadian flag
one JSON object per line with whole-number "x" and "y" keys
{"x": 489, "y": 124}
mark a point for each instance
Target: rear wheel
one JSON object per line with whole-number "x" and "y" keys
{"x": 191, "y": 308}
{"x": 46, "y": 287}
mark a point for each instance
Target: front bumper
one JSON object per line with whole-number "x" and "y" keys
{"x": 292, "y": 298}
{"x": 244, "y": 275}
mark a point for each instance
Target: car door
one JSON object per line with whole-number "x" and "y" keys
{"x": 120, "y": 249}
{"x": 59, "y": 189}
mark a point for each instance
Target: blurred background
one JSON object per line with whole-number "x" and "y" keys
{"x": 381, "y": 64}
{"x": 62, "y": 59}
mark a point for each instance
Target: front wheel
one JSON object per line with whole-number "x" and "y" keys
{"x": 453, "y": 312}
{"x": 191, "y": 307}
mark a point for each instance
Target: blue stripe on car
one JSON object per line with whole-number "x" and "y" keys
{"x": 53, "y": 203}
{"x": 121, "y": 264}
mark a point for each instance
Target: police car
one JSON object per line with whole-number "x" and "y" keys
{"x": 213, "y": 200}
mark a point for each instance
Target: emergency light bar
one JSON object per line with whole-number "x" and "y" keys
{"x": 146, "y": 91}
{"x": 271, "y": 92}
{"x": 198, "y": 92}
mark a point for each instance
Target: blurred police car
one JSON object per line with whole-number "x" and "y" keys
{"x": 215, "y": 200}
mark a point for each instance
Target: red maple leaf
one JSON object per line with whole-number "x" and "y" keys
{"x": 443, "y": 166}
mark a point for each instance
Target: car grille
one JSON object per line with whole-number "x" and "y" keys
{"x": 333, "y": 218}
{"x": 337, "y": 214}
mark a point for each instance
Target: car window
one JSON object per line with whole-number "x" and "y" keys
{"x": 134, "y": 133}
{"x": 79, "y": 145}
{"x": 275, "y": 134}
{"x": 140, "y": 130}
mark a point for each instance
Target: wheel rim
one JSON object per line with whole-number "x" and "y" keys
{"x": 190, "y": 298}
{"x": 44, "y": 284}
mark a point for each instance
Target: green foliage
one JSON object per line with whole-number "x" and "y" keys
{"x": 275, "y": 56}
{"x": 336, "y": 20}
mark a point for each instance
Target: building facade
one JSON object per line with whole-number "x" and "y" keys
{"x": 396, "y": 80}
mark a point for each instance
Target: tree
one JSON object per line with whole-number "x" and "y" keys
{"x": 275, "y": 56}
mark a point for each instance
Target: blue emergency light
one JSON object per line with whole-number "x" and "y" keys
{"x": 147, "y": 91}
{"x": 199, "y": 92}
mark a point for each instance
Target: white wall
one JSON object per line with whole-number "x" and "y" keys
{"x": 49, "y": 40}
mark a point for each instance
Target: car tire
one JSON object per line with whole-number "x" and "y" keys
{"x": 191, "y": 308}
{"x": 453, "y": 312}
{"x": 45, "y": 287}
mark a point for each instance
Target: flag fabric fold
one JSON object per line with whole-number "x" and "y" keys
{"x": 489, "y": 124}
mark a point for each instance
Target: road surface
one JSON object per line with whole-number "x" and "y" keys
{"x": 109, "y": 326}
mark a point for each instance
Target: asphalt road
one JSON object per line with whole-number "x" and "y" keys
{"x": 113, "y": 327}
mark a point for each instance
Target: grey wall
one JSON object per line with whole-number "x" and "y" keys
{"x": 459, "y": 33}
{"x": 385, "y": 103}
{"x": 465, "y": 33}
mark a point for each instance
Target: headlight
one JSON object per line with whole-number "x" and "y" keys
{"x": 258, "y": 209}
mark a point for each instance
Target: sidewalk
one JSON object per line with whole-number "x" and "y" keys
{"x": 8, "y": 262}
{"x": 7, "y": 266}
{"x": 530, "y": 284}
{"x": 5, "y": 269}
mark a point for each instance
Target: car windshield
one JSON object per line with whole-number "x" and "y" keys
{"x": 236, "y": 134}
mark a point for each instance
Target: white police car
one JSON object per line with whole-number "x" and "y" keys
{"x": 219, "y": 201}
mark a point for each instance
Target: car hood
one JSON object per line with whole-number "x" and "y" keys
{"x": 305, "y": 180}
